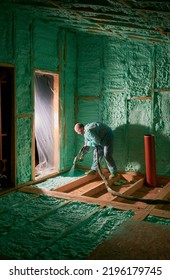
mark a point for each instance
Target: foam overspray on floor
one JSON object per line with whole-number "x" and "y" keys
{"x": 158, "y": 220}
{"x": 60, "y": 180}
{"x": 43, "y": 227}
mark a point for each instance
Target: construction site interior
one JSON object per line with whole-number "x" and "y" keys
{"x": 64, "y": 62}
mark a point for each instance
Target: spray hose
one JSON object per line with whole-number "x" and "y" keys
{"x": 129, "y": 197}
{"x": 84, "y": 150}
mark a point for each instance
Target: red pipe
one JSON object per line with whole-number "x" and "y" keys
{"x": 150, "y": 164}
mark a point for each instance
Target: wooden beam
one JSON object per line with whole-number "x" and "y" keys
{"x": 160, "y": 213}
{"x": 140, "y": 98}
{"x": 76, "y": 183}
{"x": 130, "y": 190}
{"x": 89, "y": 189}
{"x": 142, "y": 214}
{"x": 93, "y": 188}
{"x": 107, "y": 196}
{"x": 130, "y": 176}
{"x": 85, "y": 199}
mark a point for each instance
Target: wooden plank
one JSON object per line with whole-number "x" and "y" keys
{"x": 56, "y": 124}
{"x": 93, "y": 191}
{"x": 122, "y": 189}
{"x": 142, "y": 214}
{"x": 166, "y": 196}
{"x": 94, "y": 187}
{"x": 76, "y": 183}
{"x": 89, "y": 188}
{"x": 160, "y": 213}
{"x": 130, "y": 190}
{"x": 106, "y": 196}
{"x": 80, "y": 182}
{"x": 164, "y": 89}
{"x": 140, "y": 98}
{"x": 117, "y": 205}
{"x": 130, "y": 176}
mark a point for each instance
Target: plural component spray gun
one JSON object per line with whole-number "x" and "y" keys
{"x": 80, "y": 155}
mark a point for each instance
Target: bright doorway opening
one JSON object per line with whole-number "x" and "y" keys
{"x": 46, "y": 92}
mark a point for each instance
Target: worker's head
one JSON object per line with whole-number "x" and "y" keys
{"x": 79, "y": 128}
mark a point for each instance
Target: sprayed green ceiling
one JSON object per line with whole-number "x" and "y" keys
{"x": 145, "y": 20}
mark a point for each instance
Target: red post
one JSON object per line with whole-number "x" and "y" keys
{"x": 150, "y": 164}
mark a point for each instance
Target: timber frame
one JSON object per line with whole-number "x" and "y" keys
{"x": 91, "y": 189}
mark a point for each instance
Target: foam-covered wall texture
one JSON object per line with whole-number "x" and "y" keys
{"x": 123, "y": 83}
{"x": 28, "y": 44}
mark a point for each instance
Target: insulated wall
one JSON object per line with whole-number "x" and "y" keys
{"x": 30, "y": 42}
{"x": 125, "y": 84}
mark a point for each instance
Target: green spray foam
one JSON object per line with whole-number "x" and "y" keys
{"x": 72, "y": 171}
{"x": 50, "y": 228}
{"x": 60, "y": 180}
{"x": 158, "y": 220}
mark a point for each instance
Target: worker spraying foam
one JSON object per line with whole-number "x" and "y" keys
{"x": 78, "y": 158}
{"x": 98, "y": 135}
{"x": 80, "y": 155}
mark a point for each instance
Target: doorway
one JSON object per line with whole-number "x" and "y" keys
{"x": 46, "y": 92}
{"x": 7, "y": 166}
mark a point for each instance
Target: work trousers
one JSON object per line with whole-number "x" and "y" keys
{"x": 105, "y": 150}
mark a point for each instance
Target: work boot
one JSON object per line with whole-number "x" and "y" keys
{"x": 90, "y": 172}
{"x": 113, "y": 175}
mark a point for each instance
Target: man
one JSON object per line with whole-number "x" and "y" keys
{"x": 98, "y": 135}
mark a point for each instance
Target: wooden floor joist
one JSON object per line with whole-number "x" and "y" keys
{"x": 92, "y": 189}
{"x": 160, "y": 213}
{"x": 85, "y": 199}
{"x": 131, "y": 189}
{"x": 141, "y": 215}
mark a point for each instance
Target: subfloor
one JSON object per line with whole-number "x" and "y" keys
{"x": 80, "y": 219}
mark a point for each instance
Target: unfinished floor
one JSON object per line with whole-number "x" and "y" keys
{"x": 81, "y": 220}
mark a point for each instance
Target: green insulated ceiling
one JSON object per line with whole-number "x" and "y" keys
{"x": 147, "y": 20}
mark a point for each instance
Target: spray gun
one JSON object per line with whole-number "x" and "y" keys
{"x": 80, "y": 155}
